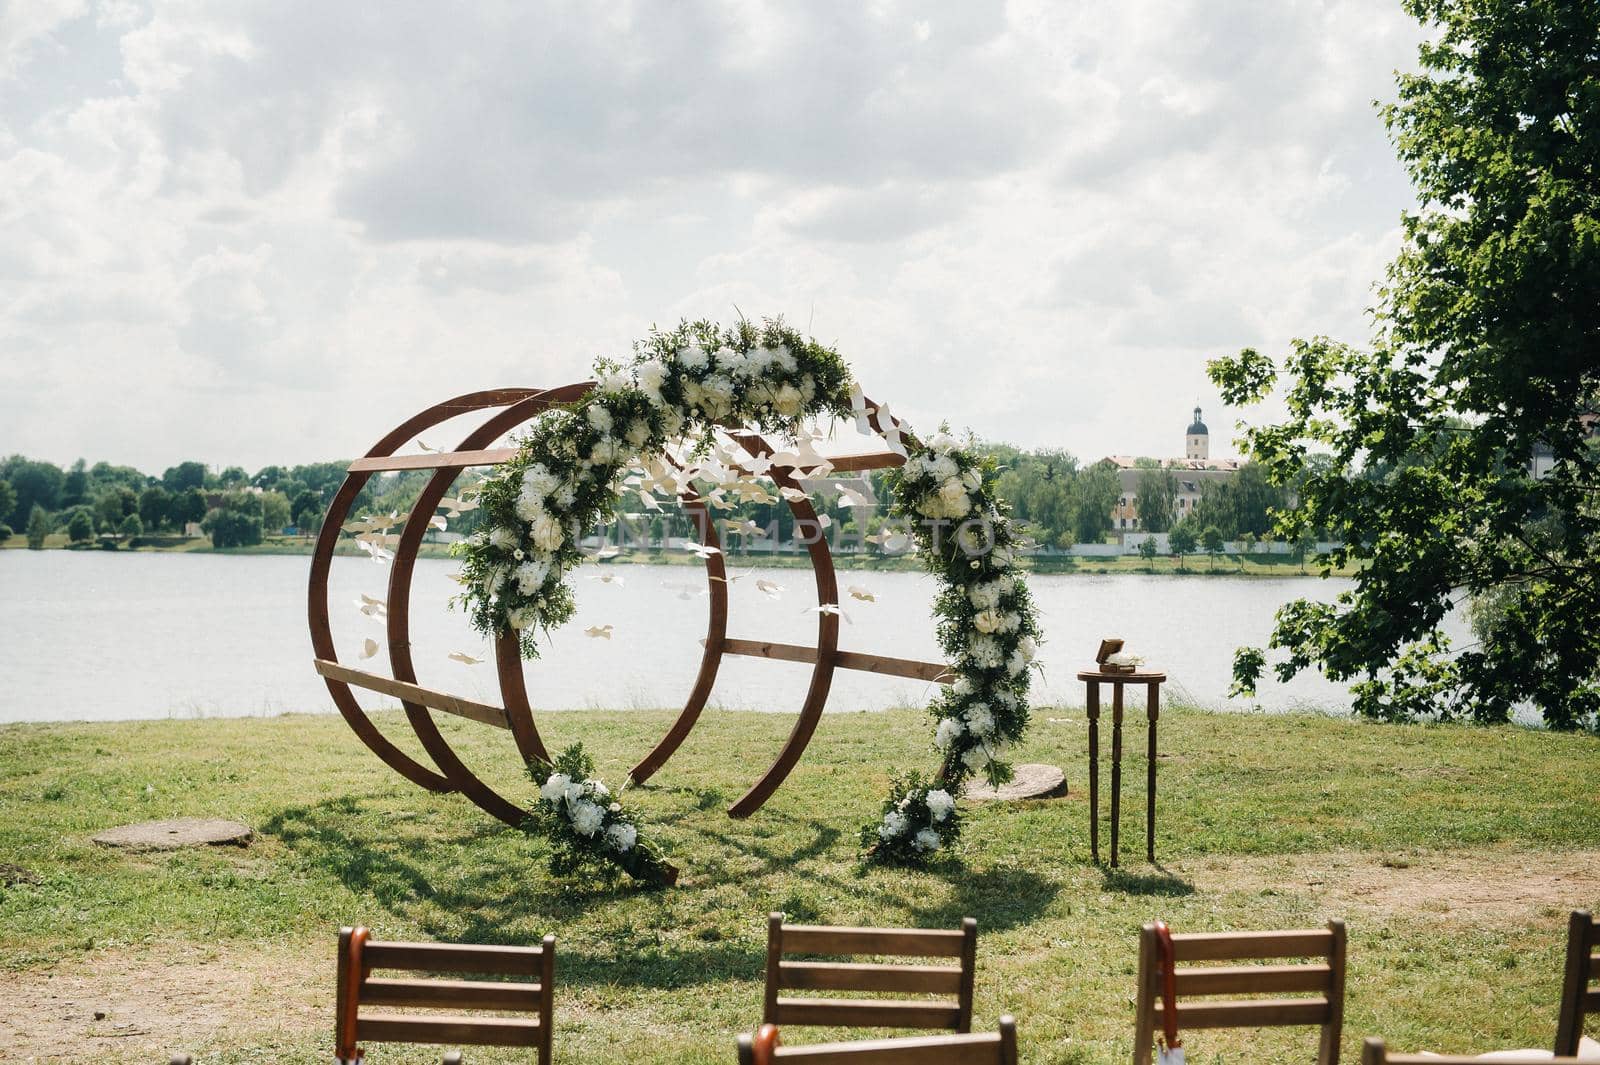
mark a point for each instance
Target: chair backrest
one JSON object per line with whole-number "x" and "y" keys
{"x": 1583, "y": 966}
{"x": 953, "y": 980}
{"x": 986, "y": 1048}
{"x": 1196, "y": 986}
{"x": 533, "y": 994}
{"x": 1373, "y": 1053}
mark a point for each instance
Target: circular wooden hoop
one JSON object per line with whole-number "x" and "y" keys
{"x": 519, "y": 406}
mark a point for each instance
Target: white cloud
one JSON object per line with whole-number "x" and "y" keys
{"x": 266, "y": 234}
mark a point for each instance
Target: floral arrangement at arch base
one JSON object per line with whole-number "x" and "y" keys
{"x": 574, "y": 461}
{"x": 588, "y": 830}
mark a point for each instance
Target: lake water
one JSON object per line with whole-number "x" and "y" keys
{"x": 103, "y": 636}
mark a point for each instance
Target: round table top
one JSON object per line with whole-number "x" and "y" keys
{"x": 1138, "y": 676}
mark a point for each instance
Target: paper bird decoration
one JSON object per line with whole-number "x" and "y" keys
{"x": 464, "y": 658}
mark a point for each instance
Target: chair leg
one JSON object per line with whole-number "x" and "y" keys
{"x": 1143, "y": 998}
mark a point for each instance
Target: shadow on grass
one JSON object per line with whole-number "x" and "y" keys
{"x": 1001, "y": 898}
{"x": 1160, "y": 883}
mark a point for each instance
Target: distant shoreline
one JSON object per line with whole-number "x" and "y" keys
{"x": 1266, "y": 566}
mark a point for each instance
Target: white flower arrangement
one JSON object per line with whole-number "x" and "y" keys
{"x": 571, "y": 466}
{"x": 585, "y": 827}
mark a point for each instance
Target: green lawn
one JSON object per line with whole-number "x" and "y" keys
{"x": 1421, "y": 836}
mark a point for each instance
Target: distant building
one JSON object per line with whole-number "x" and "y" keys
{"x": 1192, "y": 472}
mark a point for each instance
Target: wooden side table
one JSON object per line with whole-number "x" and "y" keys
{"x": 1092, "y": 679}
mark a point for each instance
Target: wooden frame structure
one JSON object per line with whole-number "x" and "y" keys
{"x": 987, "y": 1048}
{"x": 955, "y": 980}
{"x": 1324, "y": 977}
{"x": 506, "y": 410}
{"x": 1583, "y": 966}
{"x": 533, "y": 994}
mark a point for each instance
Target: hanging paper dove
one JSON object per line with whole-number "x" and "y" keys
{"x": 369, "y": 647}
{"x": 439, "y": 523}
{"x": 863, "y": 594}
{"x": 828, "y": 608}
{"x": 602, "y": 553}
{"x": 373, "y": 608}
{"x": 853, "y": 497}
{"x": 608, "y": 578}
{"x": 772, "y": 589}
{"x": 464, "y": 658}
{"x": 601, "y": 632}
{"x": 701, "y": 550}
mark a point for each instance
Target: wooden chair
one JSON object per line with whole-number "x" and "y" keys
{"x": 358, "y": 988}
{"x": 1373, "y": 1053}
{"x": 998, "y": 1048}
{"x": 1583, "y": 965}
{"x": 954, "y": 980}
{"x": 1324, "y": 977}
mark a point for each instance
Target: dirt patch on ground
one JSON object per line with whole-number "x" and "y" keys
{"x": 146, "y": 1003}
{"x": 1486, "y": 885}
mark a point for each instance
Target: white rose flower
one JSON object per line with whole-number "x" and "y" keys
{"x": 927, "y": 840}
{"x": 622, "y": 836}
{"x": 586, "y": 818}
{"x": 1028, "y": 648}
{"x": 940, "y": 804}
{"x": 894, "y": 824}
{"x": 547, "y": 532}
{"x": 555, "y": 787}
{"x": 980, "y": 719}
{"x": 949, "y": 730}
{"x": 973, "y": 479}
{"x": 988, "y": 621}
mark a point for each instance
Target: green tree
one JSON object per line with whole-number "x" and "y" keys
{"x": 1147, "y": 551}
{"x": 33, "y": 482}
{"x": 1211, "y": 539}
{"x": 236, "y": 523}
{"x": 132, "y": 526}
{"x": 8, "y": 499}
{"x": 5, "y": 532}
{"x": 38, "y": 527}
{"x": 1486, "y": 349}
{"x": 75, "y": 486}
{"x": 306, "y": 512}
{"x": 1157, "y": 500}
{"x": 184, "y": 476}
{"x": 112, "y": 505}
{"x": 1181, "y": 541}
{"x": 1247, "y": 547}
{"x": 188, "y": 505}
{"x": 155, "y": 507}
{"x": 274, "y": 511}
{"x": 1094, "y": 494}
{"x": 80, "y": 527}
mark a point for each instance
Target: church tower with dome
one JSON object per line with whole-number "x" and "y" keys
{"x": 1197, "y": 443}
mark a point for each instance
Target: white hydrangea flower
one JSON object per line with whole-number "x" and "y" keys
{"x": 944, "y": 468}
{"x": 785, "y": 359}
{"x": 638, "y": 432}
{"x": 586, "y": 817}
{"x": 622, "y": 836}
{"x": 574, "y": 791}
{"x": 927, "y": 840}
{"x": 547, "y": 532}
{"x": 554, "y": 789}
{"x": 531, "y": 575}
{"x": 973, "y": 479}
{"x": 612, "y": 382}
{"x": 949, "y": 730}
{"x": 985, "y": 595}
{"x": 599, "y": 417}
{"x": 605, "y": 452}
{"x": 976, "y": 758}
{"x": 503, "y": 538}
{"x": 652, "y": 375}
{"x": 940, "y": 804}
{"x": 598, "y": 787}
{"x": 539, "y": 480}
{"x": 984, "y": 651}
{"x": 530, "y": 505}
{"x": 894, "y": 824}
{"x": 962, "y": 686}
{"x": 954, "y": 497}
{"x": 692, "y": 357}
{"x": 520, "y": 618}
{"x": 980, "y": 719}
{"x": 566, "y": 497}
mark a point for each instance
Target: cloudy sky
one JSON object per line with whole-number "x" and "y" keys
{"x": 255, "y": 234}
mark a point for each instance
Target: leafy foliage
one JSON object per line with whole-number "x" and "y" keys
{"x": 1156, "y": 500}
{"x": 918, "y": 819}
{"x": 1486, "y": 356}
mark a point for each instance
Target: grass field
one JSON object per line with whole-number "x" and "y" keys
{"x": 1454, "y": 854}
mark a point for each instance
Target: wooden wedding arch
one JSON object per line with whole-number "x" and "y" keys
{"x": 509, "y": 408}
